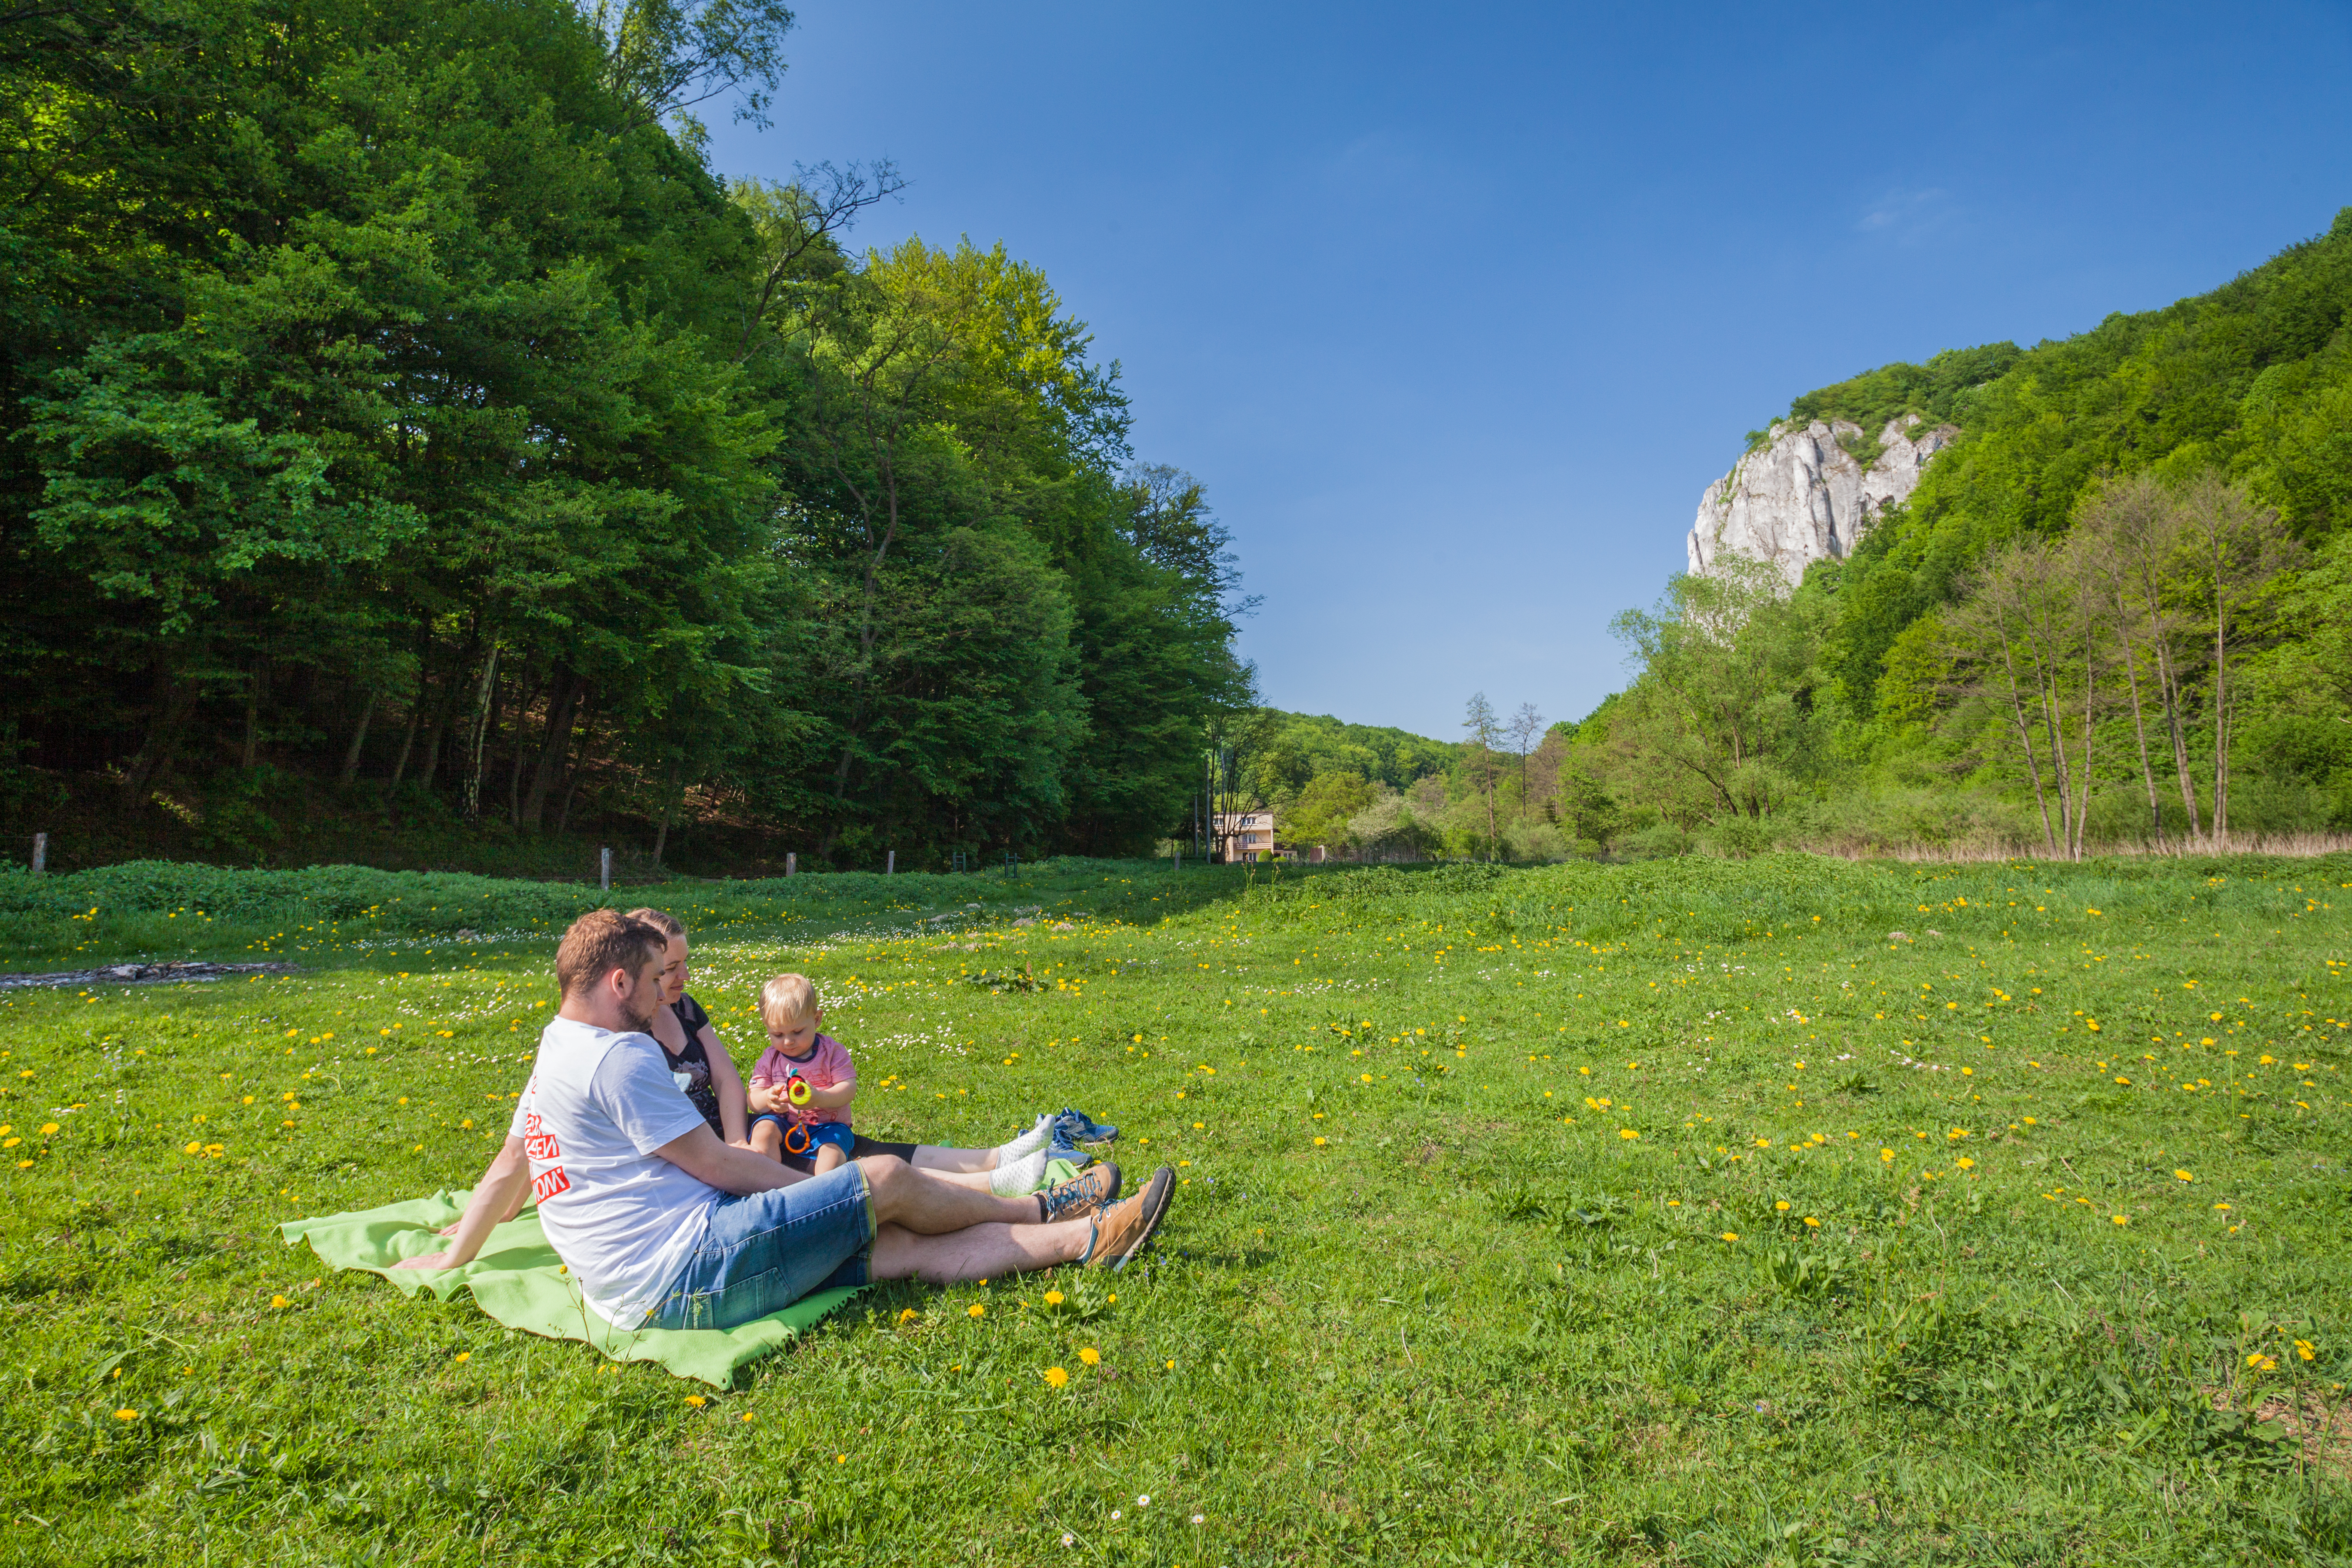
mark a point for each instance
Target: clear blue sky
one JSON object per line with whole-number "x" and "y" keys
{"x": 1457, "y": 309}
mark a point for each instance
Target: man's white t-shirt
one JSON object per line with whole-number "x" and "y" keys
{"x": 622, "y": 1218}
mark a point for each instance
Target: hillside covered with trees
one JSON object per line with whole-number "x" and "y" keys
{"x": 2115, "y": 610}
{"x": 400, "y": 416}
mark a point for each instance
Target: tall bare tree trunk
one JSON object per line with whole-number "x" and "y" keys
{"x": 2139, "y": 733}
{"x": 408, "y": 736}
{"x": 2025, "y": 744}
{"x": 2168, "y": 683}
{"x": 431, "y": 771}
{"x": 2090, "y": 699}
{"x": 669, "y": 808}
{"x": 1487, "y": 768}
{"x": 2054, "y": 725}
{"x": 176, "y": 700}
{"x": 529, "y": 691}
{"x": 252, "y": 718}
{"x": 481, "y": 725}
{"x": 579, "y": 766}
{"x": 2220, "y": 718}
{"x": 358, "y": 739}
{"x": 562, "y": 702}
{"x": 417, "y": 704}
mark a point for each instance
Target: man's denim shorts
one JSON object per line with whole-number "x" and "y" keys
{"x": 766, "y": 1250}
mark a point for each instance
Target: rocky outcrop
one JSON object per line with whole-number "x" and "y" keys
{"x": 1803, "y": 496}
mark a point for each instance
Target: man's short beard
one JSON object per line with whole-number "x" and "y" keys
{"x": 643, "y": 1023}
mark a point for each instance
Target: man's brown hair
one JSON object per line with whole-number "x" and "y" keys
{"x": 601, "y": 942}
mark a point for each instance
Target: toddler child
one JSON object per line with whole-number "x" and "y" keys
{"x": 819, "y": 1124}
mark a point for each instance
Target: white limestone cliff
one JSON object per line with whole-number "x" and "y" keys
{"x": 1802, "y": 497}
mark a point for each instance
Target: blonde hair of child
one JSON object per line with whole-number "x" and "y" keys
{"x": 787, "y": 1002}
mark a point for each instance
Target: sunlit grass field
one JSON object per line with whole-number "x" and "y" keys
{"x": 1788, "y": 1211}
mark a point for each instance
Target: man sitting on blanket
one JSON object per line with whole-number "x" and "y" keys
{"x": 666, "y": 1227}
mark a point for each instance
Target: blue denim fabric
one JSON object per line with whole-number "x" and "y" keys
{"x": 766, "y": 1250}
{"x": 820, "y": 1134}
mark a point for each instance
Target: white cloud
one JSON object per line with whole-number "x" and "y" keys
{"x": 1903, "y": 212}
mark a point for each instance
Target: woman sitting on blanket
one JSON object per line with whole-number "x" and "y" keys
{"x": 696, "y": 1053}
{"x": 698, "y": 1058}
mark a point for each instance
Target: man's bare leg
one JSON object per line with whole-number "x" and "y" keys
{"x": 929, "y": 1203}
{"x": 970, "y": 1181}
{"x": 976, "y": 1252}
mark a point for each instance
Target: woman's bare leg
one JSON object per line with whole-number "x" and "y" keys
{"x": 932, "y": 1158}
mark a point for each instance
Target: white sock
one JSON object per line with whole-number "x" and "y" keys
{"x": 1037, "y": 1137}
{"x": 1018, "y": 1178}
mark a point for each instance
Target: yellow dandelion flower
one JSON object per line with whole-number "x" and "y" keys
{"x": 1627, "y": 1133}
{"x": 1056, "y": 1377}
{"x": 1093, "y": 1357}
{"x": 48, "y": 1128}
{"x": 2121, "y": 1218}
{"x": 2184, "y": 1176}
{"x": 278, "y": 1301}
{"x": 975, "y": 1310}
{"x": 126, "y": 1415}
{"x": 1811, "y": 1221}
{"x": 907, "y": 1315}
{"x": 1731, "y": 1236}
{"x": 696, "y": 1401}
{"x": 464, "y": 1355}
{"x": 1780, "y": 1203}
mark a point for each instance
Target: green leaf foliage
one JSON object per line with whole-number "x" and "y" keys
{"x": 394, "y": 393}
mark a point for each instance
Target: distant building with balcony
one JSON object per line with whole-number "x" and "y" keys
{"x": 1241, "y": 835}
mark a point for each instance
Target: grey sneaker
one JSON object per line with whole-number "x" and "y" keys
{"x": 1080, "y": 1196}
{"x": 1121, "y": 1229}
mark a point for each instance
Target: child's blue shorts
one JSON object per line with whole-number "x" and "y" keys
{"x": 819, "y": 1134}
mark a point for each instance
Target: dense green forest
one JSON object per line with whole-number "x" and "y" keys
{"x": 400, "y": 416}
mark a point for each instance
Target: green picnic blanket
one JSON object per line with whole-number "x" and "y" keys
{"x": 519, "y": 1282}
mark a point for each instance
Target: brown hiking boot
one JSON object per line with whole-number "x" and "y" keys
{"x": 1121, "y": 1229}
{"x": 1080, "y": 1196}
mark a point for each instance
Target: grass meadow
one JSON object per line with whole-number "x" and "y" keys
{"x": 1790, "y": 1211}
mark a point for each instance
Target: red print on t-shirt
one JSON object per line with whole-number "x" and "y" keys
{"x": 544, "y": 1150}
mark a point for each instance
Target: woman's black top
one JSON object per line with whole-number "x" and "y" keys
{"x": 695, "y": 1062}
